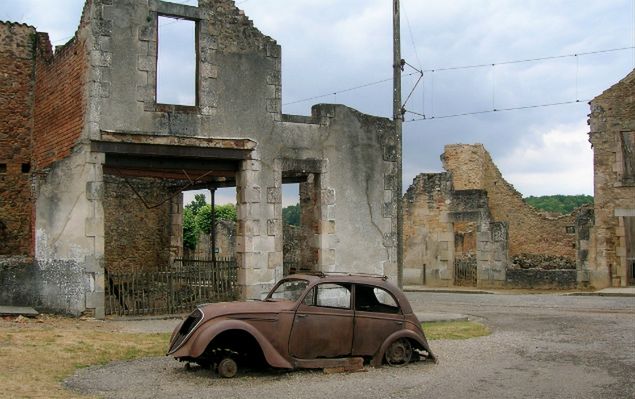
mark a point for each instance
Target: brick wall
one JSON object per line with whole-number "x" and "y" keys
{"x": 530, "y": 232}
{"x": 59, "y": 99}
{"x": 137, "y": 238}
{"x": 16, "y": 102}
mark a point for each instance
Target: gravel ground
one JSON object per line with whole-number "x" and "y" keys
{"x": 543, "y": 346}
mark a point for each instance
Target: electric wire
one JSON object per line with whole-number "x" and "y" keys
{"x": 426, "y": 118}
{"x": 454, "y": 68}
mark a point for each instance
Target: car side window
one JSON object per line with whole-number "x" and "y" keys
{"x": 330, "y": 296}
{"x": 374, "y": 299}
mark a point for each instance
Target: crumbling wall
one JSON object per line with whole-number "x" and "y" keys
{"x": 17, "y": 60}
{"x": 60, "y": 99}
{"x": 428, "y": 233}
{"x": 612, "y": 136}
{"x": 463, "y": 227}
{"x": 530, "y": 232}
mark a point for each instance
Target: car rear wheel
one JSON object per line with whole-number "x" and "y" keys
{"x": 227, "y": 368}
{"x": 399, "y": 353}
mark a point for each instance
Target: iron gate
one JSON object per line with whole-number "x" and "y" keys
{"x": 465, "y": 271}
{"x": 172, "y": 289}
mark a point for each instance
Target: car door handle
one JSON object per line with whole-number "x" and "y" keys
{"x": 399, "y": 323}
{"x": 301, "y": 315}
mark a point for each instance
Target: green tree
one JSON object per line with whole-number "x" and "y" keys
{"x": 559, "y": 203}
{"x": 190, "y": 232}
{"x": 197, "y": 203}
{"x": 222, "y": 212}
{"x": 291, "y": 215}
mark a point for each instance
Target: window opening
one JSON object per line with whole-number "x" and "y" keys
{"x": 292, "y": 234}
{"x": 200, "y": 241}
{"x": 3, "y": 168}
{"x": 26, "y": 167}
{"x": 176, "y": 62}
{"x": 329, "y": 295}
{"x": 374, "y": 299}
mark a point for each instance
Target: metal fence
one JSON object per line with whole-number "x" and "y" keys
{"x": 175, "y": 288}
{"x": 465, "y": 271}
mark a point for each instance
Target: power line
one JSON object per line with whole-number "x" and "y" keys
{"x": 452, "y": 68}
{"x": 425, "y": 118}
{"x": 528, "y": 60}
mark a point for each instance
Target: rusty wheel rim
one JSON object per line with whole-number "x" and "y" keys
{"x": 399, "y": 353}
{"x": 227, "y": 368}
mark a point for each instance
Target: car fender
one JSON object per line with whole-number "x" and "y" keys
{"x": 207, "y": 332}
{"x": 378, "y": 358}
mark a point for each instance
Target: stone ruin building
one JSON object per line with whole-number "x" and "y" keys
{"x": 609, "y": 259}
{"x": 92, "y": 167}
{"x": 468, "y": 226}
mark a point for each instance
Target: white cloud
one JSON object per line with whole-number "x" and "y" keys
{"x": 558, "y": 161}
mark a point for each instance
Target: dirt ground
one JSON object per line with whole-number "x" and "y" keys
{"x": 543, "y": 346}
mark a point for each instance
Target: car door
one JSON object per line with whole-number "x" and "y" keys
{"x": 377, "y": 316}
{"x": 323, "y": 323}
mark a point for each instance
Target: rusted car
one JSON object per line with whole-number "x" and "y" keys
{"x": 306, "y": 321}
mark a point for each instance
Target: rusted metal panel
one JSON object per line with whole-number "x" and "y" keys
{"x": 311, "y": 321}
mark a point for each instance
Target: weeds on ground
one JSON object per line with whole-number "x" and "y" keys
{"x": 37, "y": 354}
{"x": 455, "y": 330}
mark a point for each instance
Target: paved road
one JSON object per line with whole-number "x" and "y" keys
{"x": 542, "y": 346}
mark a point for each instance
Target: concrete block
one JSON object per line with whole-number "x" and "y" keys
{"x": 93, "y": 264}
{"x": 94, "y": 227}
{"x": 274, "y": 195}
{"x": 95, "y": 190}
{"x": 245, "y": 244}
{"x": 328, "y": 196}
{"x": 275, "y": 259}
{"x": 274, "y": 227}
{"x": 265, "y": 244}
{"x": 209, "y": 71}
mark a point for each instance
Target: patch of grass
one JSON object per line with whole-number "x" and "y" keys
{"x": 455, "y": 330}
{"x": 37, "y": 354}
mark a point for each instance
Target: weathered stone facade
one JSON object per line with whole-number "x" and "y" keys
{"x": 463, "y": 227}
{"x": 611, "y": 248}
{"x": 96, "y": 123}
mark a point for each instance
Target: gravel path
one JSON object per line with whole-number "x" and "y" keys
{"x": 543, "y": 346}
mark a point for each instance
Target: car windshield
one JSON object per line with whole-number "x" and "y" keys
{"x": 288, "y": 290}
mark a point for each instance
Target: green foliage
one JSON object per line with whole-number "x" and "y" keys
{"x": 197, "y": 203}
{"x": 222, "y": 212}
{"x": 189, "y": 228}
{"x": 291, "y": 215}
{"x": 559, "y": 203}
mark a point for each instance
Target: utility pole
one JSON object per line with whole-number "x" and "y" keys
{"x": 398, "y": 119}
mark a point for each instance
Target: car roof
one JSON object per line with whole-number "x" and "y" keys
{"x": 352, "y": 278}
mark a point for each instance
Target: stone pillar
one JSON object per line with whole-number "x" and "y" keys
{"x": 256, "y": 251}
{"x": 176, "y": 227}
{"x": 95, "y": 231}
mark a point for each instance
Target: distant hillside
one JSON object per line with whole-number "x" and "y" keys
{"x": 558, "y": 203}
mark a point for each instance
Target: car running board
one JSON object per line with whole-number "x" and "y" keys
{"x": 342, "y": 364}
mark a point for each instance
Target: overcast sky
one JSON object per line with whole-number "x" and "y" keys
{"x": 331, "y": 45}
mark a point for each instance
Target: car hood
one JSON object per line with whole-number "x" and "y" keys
{"x": 213, "y": 310}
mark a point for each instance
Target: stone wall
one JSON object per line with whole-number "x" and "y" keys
{"x": 137, "y": 223}
{"x": 470, "y": 216}
{"x": 96, "y": 115}
{"x": 530, "y": 232}
{"x": 612, "y": 136}
{"x": 17, "y": 59}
